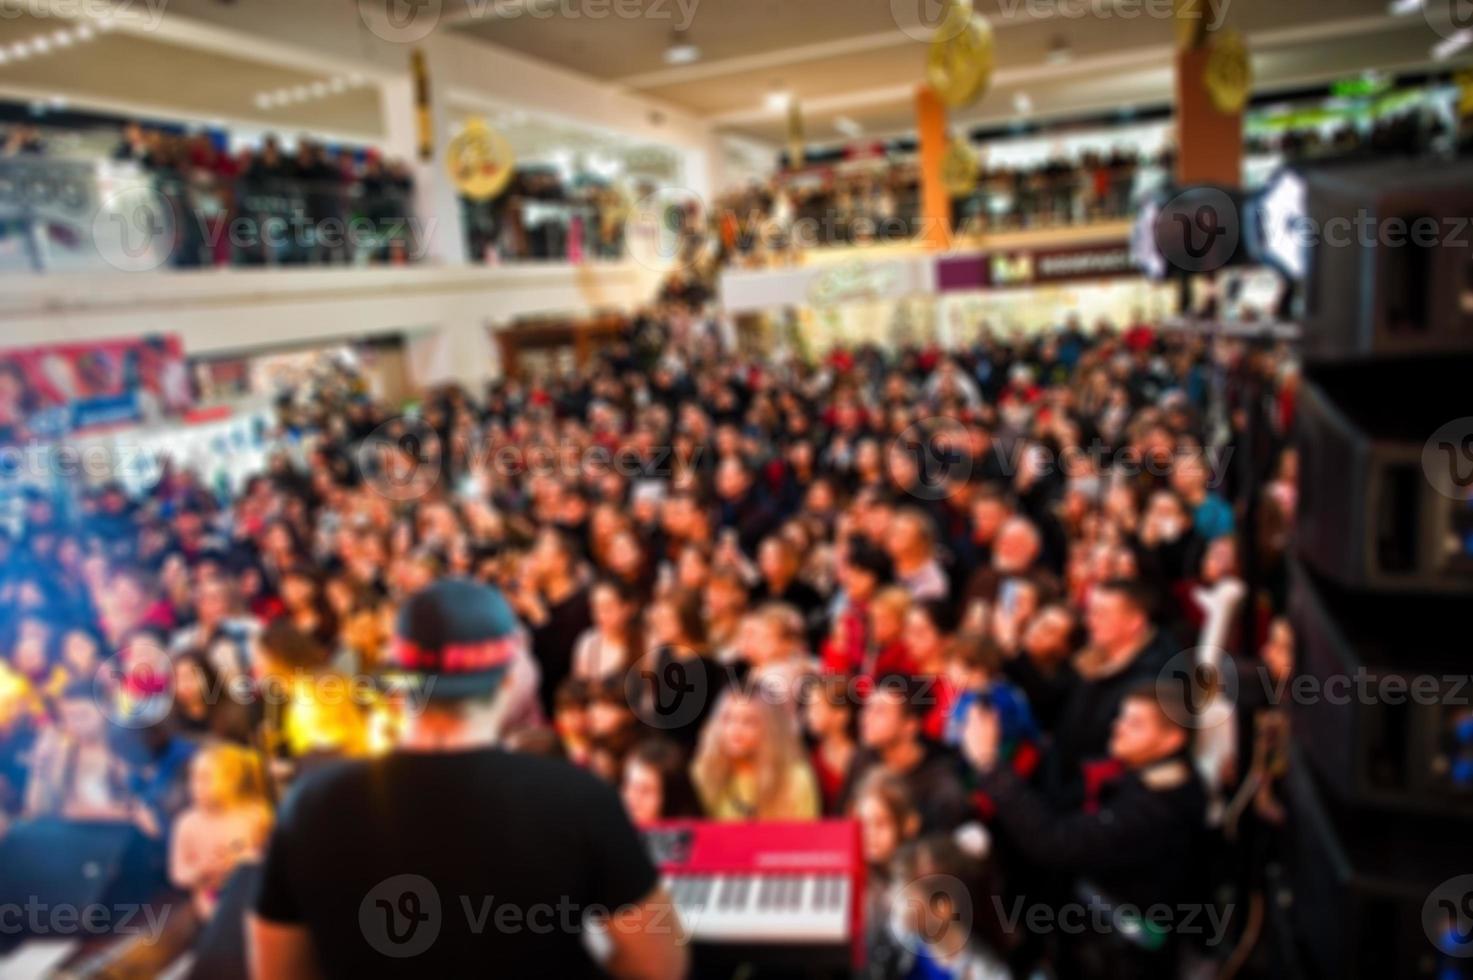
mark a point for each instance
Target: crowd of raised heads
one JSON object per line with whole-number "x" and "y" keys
{"x": 933, "y": 590}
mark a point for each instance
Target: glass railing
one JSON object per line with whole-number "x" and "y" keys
{"x": 61, "y": 215}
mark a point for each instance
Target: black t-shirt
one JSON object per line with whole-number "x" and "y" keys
{"x": 452, "y": 864}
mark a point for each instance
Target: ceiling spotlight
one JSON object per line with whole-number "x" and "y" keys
{"x": 301, "y": 93}
{"x": 1022, "y": 103}
{"x": 1443, "y": 50}
{"x": 848, "y": 127}
{"x": 62, "y": 39}
{"x": 1401, "y": 8}
{"x": 105, "y": 23}
{"x": 319, "y": 89}
{"x": 1059, "y": 52}
{"x": 40, "y": 45}
{"x": 264, "y": 100}
{"x": 681, "y": 51}
{"x": 339, "y": 85}
{"x": 20, "y": 51}
{"x": 779, "y": 99}
{"x": 356, "y": 80}
{"x": 85, "y": 33}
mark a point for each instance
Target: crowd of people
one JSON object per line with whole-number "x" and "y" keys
{"x": 935, "y": 592}
{"x": 760, "y": 225}
{"x": 318, "y": 205}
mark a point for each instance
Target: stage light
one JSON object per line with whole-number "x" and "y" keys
{"x": 1277, "y": 229}
{"x": 779, "y": 99}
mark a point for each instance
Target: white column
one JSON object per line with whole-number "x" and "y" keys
{"x": 437, "y": 206}
{"x": 458, "y": 352}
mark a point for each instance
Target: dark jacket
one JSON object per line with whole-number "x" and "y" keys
{"x": 1139, "y": 844}
{"x": 1083, "y": 728}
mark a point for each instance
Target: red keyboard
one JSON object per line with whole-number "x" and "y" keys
{"x": 765, "y": 884}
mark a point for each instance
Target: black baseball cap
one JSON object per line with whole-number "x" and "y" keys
{"x": 453, "y": 639}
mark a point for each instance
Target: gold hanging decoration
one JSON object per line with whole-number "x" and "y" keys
{"x": 959, "y": 168}
{"x": 960, "y": 61}
{"x": 1229, "y": 73}
{"x": 481, "y": 161}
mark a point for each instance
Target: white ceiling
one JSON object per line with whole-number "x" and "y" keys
{"x": 862, "y": 59}
{"x": 844, "y": 60}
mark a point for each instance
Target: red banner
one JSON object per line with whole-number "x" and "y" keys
{"x": 49, "y": 391}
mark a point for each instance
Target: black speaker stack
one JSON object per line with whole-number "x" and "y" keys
{"x": 1380, "y": 791}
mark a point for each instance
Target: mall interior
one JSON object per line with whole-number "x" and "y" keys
{"x": 900, "y": 489}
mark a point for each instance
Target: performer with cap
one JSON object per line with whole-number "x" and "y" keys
{"x": 450, "y": 857}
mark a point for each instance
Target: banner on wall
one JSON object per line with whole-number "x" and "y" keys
{"x": 1035, "y": 267}
{"x": 47, "y": 392}
{"x": 829, "y": 284}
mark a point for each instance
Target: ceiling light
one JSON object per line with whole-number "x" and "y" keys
{"x": 62, "y": 39}
{"x": 319, "y": 89}
{"x": 3, "y": 57}
{"x": 40, "y": 45}
{"x": 264, "y": 100}
{"x": 339, "y": 85}
{"x": 682, "y": 54}
{"x": 356, "y": 79}
{"x": 301, "y": 93}
{"x": 1401, "y": 8}
{"x": 1022, "y": 104}
{"x": 20, "y": 51}
{"x": 848, "y": 127}
{"x": 105, "y": 23}
{"x": 779, "y": 99}
{"x": 85, "y": 33}
{"x": 58, "y": 102}
{"x": 1445, "y": 49}
{"x": 681, "y": 51}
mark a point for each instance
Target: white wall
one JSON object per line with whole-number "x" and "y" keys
{"x": 445, "y": 310}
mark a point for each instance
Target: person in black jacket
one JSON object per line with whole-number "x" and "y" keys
{"x": 1128, "y": 853}
{"x": 1125, "y": 649}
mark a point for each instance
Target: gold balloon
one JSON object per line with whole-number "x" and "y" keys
{"x": 481, "y": 161}
{"x": 1229, "y": 76}
{"x": 961, "y": 58}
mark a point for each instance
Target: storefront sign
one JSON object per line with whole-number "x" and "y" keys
{"x": 1036, "y": 267}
